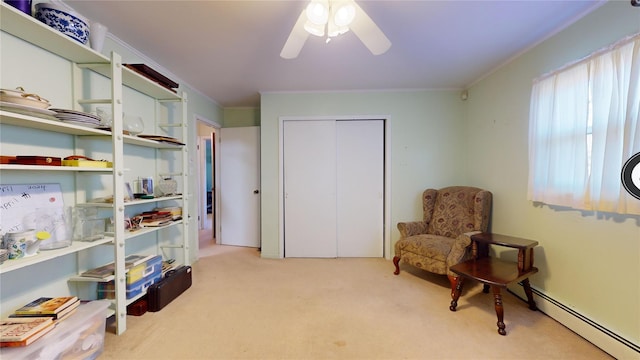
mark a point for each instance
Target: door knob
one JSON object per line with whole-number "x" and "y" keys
{"x": 256, "y": 191}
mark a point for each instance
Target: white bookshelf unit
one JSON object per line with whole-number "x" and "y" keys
{"x": 172, "y": 122}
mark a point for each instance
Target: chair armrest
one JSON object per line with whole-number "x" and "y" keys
{"x": 460, "y": 251}
{"x": 412, "y": 228}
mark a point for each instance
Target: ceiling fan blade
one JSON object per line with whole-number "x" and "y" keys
{"x": 368, "y": 32}
{"x": 296, "y": 40}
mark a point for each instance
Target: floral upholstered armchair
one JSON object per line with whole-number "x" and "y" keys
{"x": 442, "y": 239}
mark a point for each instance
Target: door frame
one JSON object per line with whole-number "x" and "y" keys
{"x": 202, "y": 179}
{"x": 202, "y": 196}
{"x": 387, "y": 172}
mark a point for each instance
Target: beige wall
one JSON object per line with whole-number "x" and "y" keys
{"x": 427, "y": 145}
{"x": 240, "y": 117}
{"x": 588, "y": 261}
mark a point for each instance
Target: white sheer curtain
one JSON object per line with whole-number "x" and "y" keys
{"x": 598, "y": 95}
{"x": 616, "y": 126}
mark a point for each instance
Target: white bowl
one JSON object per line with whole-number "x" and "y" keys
{"x": 64, "y": 20}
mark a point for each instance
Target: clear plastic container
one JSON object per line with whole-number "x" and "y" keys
{"x": 58, "y": 222}
{"x": 80, "y": 336}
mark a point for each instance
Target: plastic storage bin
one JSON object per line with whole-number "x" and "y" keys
{"x": 80, "y": 336}
{"x": 148, "y": 269}
{"x": 107, "y": 290}
{"x": 138, "y": 279}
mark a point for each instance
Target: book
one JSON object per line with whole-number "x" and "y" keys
{"x": 65, "y": 315}
{"x": 58, "y": 316}
{"x": 22, "y": 328}
{"x": 107, "y": 270}
{"x": 154, "y": 218}
{"x": 30, "y": 339}
{"x": 47, "y": 305}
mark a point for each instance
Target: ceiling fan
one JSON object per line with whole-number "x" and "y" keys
{"x": 333, "y": 18}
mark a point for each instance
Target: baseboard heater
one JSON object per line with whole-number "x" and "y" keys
{"x": 586, "y": 320}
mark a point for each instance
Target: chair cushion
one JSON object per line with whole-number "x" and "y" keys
{"x": 426, "y": 245}
{"x": 453, "y": 212}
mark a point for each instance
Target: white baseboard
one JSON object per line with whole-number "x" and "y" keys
{"x": 610, "y": 342}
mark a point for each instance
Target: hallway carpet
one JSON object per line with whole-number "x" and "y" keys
{"x": 243, "y": 307}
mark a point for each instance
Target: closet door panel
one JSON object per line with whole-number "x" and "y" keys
{"x": 309, "y": 188}
{"x": 360, "y": 186}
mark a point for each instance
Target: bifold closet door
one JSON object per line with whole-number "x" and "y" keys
{"x": 310, "y": 188}
{"x": 333, "y": 188}
{"x": 360, "y": 186}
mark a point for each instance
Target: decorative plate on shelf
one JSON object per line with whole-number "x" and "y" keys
{"x": 81, "y": 123}
{"x": 25, "y": 109}
{"x": 77, "y": 118}
{"x": 77, "y": 113}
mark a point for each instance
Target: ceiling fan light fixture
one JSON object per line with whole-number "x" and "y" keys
{"x": 343, "y": 13}
{"x": 314, "y": 29}
{"x": 335, "y": 17}
{"x": 318, "y": 12}
{"x": 334, "y": 30}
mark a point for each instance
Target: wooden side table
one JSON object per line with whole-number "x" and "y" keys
{"x": 495, "y": 272}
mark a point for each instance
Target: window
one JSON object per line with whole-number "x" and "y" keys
{"x": 583, "y": 125}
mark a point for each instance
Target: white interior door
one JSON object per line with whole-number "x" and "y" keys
{"x": 360, "y": 188}
{"x": 240, "y": 186}
{"x": 309, "y": 151}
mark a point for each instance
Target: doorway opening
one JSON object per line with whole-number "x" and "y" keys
{"x": 207, "y": 185}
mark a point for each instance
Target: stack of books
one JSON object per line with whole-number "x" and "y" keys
{"x": 23, "y": 331}
{"x": 105, "y": 271}
{"x": 154, "y": 218}
{"x": 58, "y": 308}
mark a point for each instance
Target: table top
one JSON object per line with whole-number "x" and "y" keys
{"x": 504, "y": 240}
{"x": 492, "y": 271}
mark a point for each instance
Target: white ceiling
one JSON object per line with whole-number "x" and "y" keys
{"x": 230, "y": 50}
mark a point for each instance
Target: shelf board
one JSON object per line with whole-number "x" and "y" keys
{"x": 147, "y": 230}
{"x": 146, "y": 86}
{"x": 46, "y": 255}
{"x": 132, "y": 202}
{"x": 133, "y": 299}
{"x": 134, "y": 140}
{"x": 37, "y": 33}
{"x": 52, "y": 124}
{"x": 53, "y": 168}
{"x": 91, "y": 279}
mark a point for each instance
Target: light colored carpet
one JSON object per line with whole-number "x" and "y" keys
{"x": 243, "y": 307}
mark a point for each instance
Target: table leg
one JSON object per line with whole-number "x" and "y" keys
{"x": 455, "y": 295}
{"x": 499, "y": 309}
{"x": 527, "y": 290}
